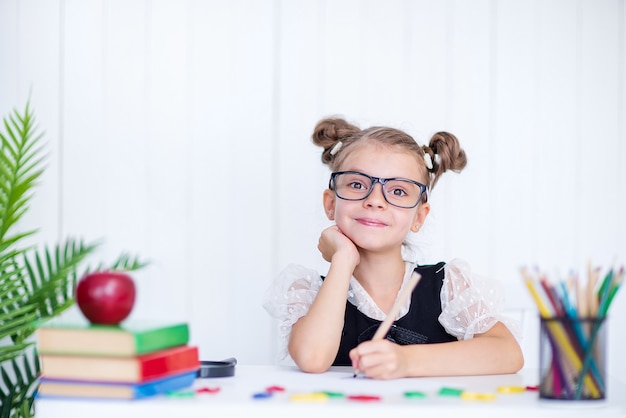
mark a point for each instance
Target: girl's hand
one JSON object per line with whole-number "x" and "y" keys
{"x": 379, "y": 359}
{"x": 332, "y": 241}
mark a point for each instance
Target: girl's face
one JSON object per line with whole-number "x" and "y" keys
{"x": 373, "y": 224}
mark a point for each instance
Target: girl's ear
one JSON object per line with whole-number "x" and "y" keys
{"x": 423, "y": 209}
{"x": 329, "y": 204}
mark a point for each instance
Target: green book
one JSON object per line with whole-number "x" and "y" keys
{"x": 127, "y": 339}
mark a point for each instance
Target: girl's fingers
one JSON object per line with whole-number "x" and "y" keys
{"x": 374, "y": 359}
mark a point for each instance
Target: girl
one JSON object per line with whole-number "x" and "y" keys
{"x": 377, "y": 195}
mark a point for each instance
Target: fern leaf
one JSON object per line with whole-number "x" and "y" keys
{"x": 22, "y": 388}
{"x": 19, "y": 309}
{"x": 10, "y": 289}
{"x": 21, "y": 167}
{"x": 52, "y": 278}
{"x": 21, "y": 325}
{"x": 9, "y": 352}
{"x": 126, "y": 263}
{"x": 6, "y": 405}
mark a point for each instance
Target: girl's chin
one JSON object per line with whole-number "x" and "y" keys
{"x": 371, "y": 246}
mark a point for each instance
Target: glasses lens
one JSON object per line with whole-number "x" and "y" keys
{"x": 402, "y": 193}
{"x": 352, "y": 186}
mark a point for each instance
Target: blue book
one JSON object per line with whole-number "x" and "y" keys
{"x": 57, "y": 388}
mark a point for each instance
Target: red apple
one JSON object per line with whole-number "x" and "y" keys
{"x": 106, "y": 297}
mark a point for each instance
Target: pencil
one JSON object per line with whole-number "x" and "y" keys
{"x": 384, "y": 326}
{"x": 617, "y": 282}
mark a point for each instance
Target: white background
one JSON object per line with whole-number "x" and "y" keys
{"x": 180, "y": 131}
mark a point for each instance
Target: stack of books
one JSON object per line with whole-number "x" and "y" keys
{"x": 130, "y": 361}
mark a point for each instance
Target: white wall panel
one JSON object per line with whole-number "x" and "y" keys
{"x": 247, "y": 189}
{"x": 211, "y": 128}
{"x": 598, "y": 128}
{"x": 233, "y": 166}
{"x": 618, "y": 309}
{"x": 513, "y": 140}
{"x": 31, "y": 70}
{"x": 342, "y": 59}
{"x": 9, "y": 47}
{"x": 129, "y": 203}
{"x": 383, "y": 56}
{"x": 167, "y": 152}
{"x": 554, "y": 213}
{"x": 462, "y": 201}
{"x": 425, "y": 109}
{"x": 301, "y": 176}
{"x": 601, "y": 107}
{"x": 85, "y": 151}
{"x": 425, "y": 86}
{"x": 210, "y": 280}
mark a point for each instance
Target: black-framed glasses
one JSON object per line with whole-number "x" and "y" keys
{"x": 354, "y": 185}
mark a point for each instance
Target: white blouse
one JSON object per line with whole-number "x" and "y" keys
{"x": 470, "y": 304}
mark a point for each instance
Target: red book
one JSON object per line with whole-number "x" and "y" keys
{"x": 132, "y": 369}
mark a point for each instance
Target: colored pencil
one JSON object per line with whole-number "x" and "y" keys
{"x": 616, "y": 285}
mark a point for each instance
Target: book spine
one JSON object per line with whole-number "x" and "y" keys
{"x": 169, "y": 361}
{"x": 170, "y": 384}
{"x": 159, "y": 339}
{"x": 60, "y": 388}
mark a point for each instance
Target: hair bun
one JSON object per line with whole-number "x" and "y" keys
{"x": 448, "y": 155}
{"x": 329, "y": 133}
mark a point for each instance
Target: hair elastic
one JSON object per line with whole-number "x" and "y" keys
{"x": 428, "y": 161}
{"x": 335, "y": 149}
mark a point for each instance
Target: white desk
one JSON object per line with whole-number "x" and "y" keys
{"x": 235, "y": 398}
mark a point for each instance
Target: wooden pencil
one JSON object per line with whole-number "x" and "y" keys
{"x": 384, "y": 326}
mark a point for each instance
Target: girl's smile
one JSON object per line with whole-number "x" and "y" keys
{"x": 371, "y": 222}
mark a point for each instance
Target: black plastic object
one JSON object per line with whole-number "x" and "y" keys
{"x": 223, "y": 368}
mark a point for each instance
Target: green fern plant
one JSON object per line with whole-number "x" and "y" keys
{"x": 35, "y": 283}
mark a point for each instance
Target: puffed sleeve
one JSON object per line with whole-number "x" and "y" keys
{"x": 289, "y": 298}
{"x": 471, "y": 304}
